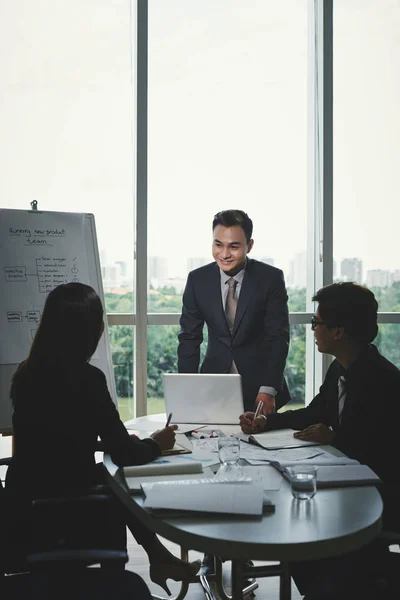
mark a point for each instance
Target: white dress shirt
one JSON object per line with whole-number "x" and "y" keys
{"x": 264, "y": 389}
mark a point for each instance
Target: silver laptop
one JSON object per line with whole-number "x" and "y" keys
{"x": 203, "y": 398}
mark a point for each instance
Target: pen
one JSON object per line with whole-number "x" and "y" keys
{"x": 168, "y": 420}
{"x": 258, "y": 410}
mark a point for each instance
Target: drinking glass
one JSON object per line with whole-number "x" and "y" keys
{"x": 229, "y": 450}
{"x": 303, "y": 481}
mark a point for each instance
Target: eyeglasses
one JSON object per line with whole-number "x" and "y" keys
{"x": 315, "y": 322}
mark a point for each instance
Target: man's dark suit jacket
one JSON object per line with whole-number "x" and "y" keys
{"x": 260, "y": 339}
{"x": 368, "y": 430}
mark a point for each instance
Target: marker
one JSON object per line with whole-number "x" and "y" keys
{"x": 169, "y": 419}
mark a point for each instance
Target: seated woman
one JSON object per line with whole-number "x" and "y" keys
{"x": 61, "y": 406}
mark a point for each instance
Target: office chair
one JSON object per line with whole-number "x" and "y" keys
{"x": 65, "y": 540}
{"x": 63, "y": 574}
{"x": 63, "y": 550}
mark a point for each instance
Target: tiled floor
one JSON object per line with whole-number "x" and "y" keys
{"x": 268, "y": 587}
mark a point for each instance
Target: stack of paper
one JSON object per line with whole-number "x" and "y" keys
{"x": 135, "y": 483}
{"x": 342, "y": 476}
{"x": 165, "y": 465}
{"x": 229, "y": 498}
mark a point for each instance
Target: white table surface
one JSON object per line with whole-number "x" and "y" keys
{"x": 333, "y": 522}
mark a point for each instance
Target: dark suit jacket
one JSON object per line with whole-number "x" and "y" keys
{"x": 260, "y": 339}
{"x": 57, "y": 420}
{"x": 368, "y": 430}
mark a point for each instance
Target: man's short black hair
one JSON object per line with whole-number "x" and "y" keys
{"x": 350, "y": 306}
{"x": 230, "y": 218}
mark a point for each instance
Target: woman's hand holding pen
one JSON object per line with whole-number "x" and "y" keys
{"x": 165, "y": 438}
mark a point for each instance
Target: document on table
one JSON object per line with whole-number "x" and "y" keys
{"x": 277, "y": 439}
{"x": 208, "y": 445}
{"x": 290, "y": 455}
{"x": 322, "y": 459}
{"x": 205, "y": 451}
{"x": 266, "y": 476}
{"x": 253, "y": 453}
{"x": 209, "y": 498}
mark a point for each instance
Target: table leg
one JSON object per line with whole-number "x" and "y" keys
{"x": 237, "y": 579}
{"x": 285, "y": 583}
{"x": 220, "y": 585}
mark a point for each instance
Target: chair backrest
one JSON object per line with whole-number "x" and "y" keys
{"x": 70, "y": 523}
{"x": 76, "y": 522}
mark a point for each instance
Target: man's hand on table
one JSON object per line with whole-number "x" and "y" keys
{"x": 251, "y": 425}
{"x": 320, "y": 433}
{"x": 165, "y": 438}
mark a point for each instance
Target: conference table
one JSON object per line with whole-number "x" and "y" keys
{"x": 334, "y": 522}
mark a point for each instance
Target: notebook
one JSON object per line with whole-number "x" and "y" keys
{"x": 338, "y": 475}
{"x": 176, "y": 449}
{"x": 203, "y": 398}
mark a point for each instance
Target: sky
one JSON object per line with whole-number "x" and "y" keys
{"x": 227, "y": 121}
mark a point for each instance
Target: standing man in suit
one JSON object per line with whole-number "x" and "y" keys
{"x": 243, "y": 302}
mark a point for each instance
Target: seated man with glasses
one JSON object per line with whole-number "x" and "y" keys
{"x": 357, "y": 410}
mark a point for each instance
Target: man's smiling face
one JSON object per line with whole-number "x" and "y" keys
{"x": 230, "y": 248}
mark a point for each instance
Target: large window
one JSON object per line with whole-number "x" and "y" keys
{"x": 227, "y": 117}
{"x": 366, "y": 145}
{"x": 156, "y": 114}
{"x": 67, "y": 131}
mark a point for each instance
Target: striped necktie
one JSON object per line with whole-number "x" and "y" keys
{"x": 231, "y": 303}
{"x": 341, "y": 395}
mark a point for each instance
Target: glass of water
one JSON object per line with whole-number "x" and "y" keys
{"x": 303, "y": 481}
{"x": 228, "y": 451}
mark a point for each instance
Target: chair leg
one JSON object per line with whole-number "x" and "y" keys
{"x": 285, "y": 583}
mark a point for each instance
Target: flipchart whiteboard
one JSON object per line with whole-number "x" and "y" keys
{"x": 38, "y": 251}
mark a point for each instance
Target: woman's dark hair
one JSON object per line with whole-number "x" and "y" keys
{"x": 350, "y": 306}
{"x": 70, "y": 327}
{"x": 231, "y": 218}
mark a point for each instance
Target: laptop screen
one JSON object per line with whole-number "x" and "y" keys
{"x": 203, "y": 398}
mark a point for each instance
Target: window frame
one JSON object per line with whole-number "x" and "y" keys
{"x": 320, "y": 194}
